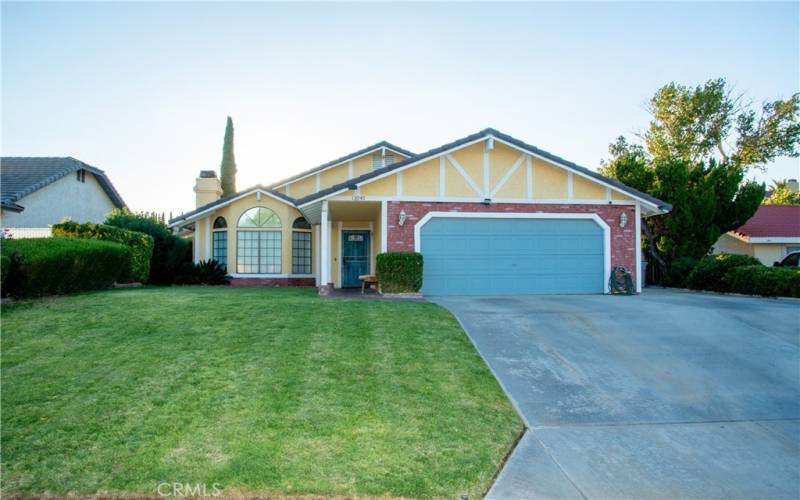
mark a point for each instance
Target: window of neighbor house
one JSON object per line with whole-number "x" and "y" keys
{"x": 258, "y": 242}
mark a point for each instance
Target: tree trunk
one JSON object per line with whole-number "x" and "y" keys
{"x": 652, "y": 250}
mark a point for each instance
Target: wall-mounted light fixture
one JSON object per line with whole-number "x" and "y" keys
{"x": 401, "y": 218}
{"x": 487, "y": 201}
{"x": 623, "y": 219}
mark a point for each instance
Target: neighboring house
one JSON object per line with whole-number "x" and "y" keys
{"x": 769, "y": 235}
{"x": 490, "y": 214}
{"x": 38, "y": 192}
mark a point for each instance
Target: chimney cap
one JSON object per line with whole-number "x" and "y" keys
{"x": 208, "y": 174}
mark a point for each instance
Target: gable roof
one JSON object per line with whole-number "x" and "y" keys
{"x": 413, "y": 159}
{"x": 772, "y": 221}
{"x": 348, "y": 157}
{"x": 231, "y": 198}
{"x": 21, "y": 176}
{"x": 486, "y": 133}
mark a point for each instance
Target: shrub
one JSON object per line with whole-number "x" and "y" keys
{"x": 400, "y": 272}
{"x": 205, "y": 272}
{"x": 708, "y": 273}
{"x": 678, "y": 271}
{"x": 51, "y": 266}
{"x": 5, "y": 262}
{"x": 170, "y": 252}
{"x": 763, "y": 280}
{"x": 141, "y": 245}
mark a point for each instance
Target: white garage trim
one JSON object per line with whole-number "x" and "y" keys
{"x": 533, "y": 215}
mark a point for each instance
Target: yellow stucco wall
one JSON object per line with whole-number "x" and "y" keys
{"x": 303, "y": 187}
{"x": 422, "y": 180}
{"x": 584, "y": 189}
{"x": 615, "y": 195}
{"x": 234, "y": 211}
{"x": 386, "y": 186}
{"x": 517, "y": 185}
{"x": 471, "y": 160}
{"x": 333, "y": 176}
{"x": 501, "y": 159}
{"x": 549, "y": 181}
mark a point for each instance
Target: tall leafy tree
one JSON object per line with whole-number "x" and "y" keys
{"x": 782, "y": 194}
{"x": 707, "y": 121}
{"x": 227, "y": 169}
{"x": 698, "y": 149}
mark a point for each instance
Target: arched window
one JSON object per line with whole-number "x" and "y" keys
{"x": 301, "y": 246}
{"x": 259, "y": 217}
{"x": 220, "y": 241}
{"x": 258, "y": 242}
{"x": 301, "y": 223}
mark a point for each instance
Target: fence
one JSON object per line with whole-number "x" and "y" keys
{"x": 27, "y": 232}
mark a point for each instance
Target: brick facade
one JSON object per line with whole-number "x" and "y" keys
{"x": 252, "y": 282}
{"x": 623, "y": 240}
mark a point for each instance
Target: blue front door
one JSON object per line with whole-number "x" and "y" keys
{"x": 355, "y": 257}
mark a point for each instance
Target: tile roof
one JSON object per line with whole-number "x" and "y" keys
{"x": 231, "y": 197}
{"x": 355, "y": 154}
{"x": 465, "y": 140}
{"x": 773, "y": 221}
{"x": 21, "y": 176}
{"x": 413, "y": 159}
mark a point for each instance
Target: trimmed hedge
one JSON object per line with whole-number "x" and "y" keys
{"x": 400, "y": 272}
{"x": 141, "y": 245}
{"x": 5, "y": 263}
{"x": 678, "y": 271}
{"x": 170, "y": 252}
{"x": 708, "y": 273}
{"x": 52, "y": 266}
{"x": 763, "y": 280}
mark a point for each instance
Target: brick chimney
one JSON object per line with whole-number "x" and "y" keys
{"x": 207, "y": 188}
{"x": 792, "y": 185}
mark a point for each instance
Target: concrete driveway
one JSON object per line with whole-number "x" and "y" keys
{"x": 663, "y": 395}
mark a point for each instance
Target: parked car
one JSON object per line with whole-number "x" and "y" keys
{"x": 791, "y": 260}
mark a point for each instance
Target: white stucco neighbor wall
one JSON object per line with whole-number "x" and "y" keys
{"x": 767, "y": 253}
{"x": 66, "y": 197}
{"x": 728, "y": 244}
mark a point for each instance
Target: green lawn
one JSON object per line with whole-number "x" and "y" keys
{"x": 273, "y": 391}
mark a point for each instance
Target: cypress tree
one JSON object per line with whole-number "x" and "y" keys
{"x": 227, "y": 169}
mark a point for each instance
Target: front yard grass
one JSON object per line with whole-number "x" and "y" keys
{"x": 272, "y": 391}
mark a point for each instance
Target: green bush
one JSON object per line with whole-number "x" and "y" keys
{"x": 400, "y": 272}
{"x": 52, "y": 266}
{"x": 170, "y": 252}
{"x": 141, "y": 245}
{"x": 763, "y": 280}
{"x": 205, "y": 272}
{"x": 5, "y": 263}
{"x": 678, "y": 271}
{"x": 708, "y": 273}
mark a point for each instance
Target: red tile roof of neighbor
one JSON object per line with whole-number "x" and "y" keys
{"x": 773, "y": 220}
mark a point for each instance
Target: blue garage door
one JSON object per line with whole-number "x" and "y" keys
{"x": 466, "y": 256}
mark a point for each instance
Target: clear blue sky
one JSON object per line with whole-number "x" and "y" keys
{"x": 142, "y": 90}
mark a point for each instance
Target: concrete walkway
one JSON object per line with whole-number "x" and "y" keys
{"x": 663, "y": 395}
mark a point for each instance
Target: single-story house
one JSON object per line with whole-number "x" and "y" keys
{"x": 769, "y": 235}
{"x": 490, "y": 214}
{"x": 38, "y": 192}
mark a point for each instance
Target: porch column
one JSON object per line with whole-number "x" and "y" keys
{"x": 384, "y": 226}
{"x": 638, "y": 235}
{"x": 325, "y": 248}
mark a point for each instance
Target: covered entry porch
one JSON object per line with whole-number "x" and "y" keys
{"x": 350, "y": 236}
